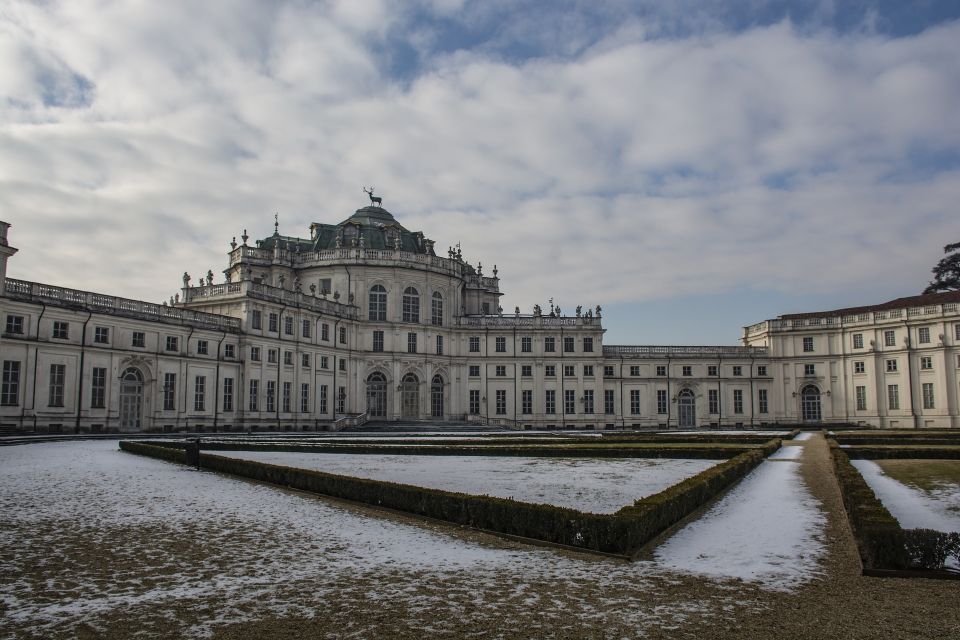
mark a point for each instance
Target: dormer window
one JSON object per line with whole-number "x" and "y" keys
{"x": 350, "y": 233}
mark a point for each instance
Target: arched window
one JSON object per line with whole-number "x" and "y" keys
{"x": 410, "y": 397}
{"x": 411, "y": 305}
{"x": 376, "y": 395}
{"x": 436, "y": 397}
{"x": 687, "y": 409}
{"x": 436, "y": 309}
{"x": 810, "y": 403}
{"x": 131, "y": 399}
{"x": 378, "y": 302}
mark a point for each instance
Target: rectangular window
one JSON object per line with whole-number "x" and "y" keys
{"x": 550, "y": 344}
{"x": 411, "y": 342}
{"x": 343, "y": 335}
{"x": 858, "y": 341}
{"x": 762, "y": 404}
{"x": 501, "y": 370}
{"x": 588, "y": 345}
{"x": 227, "y": 395}
{"x": 713, "y": 401}
{"x": 859, "y": 367}
{"x": 550, "y": 401}
{"x": 273, "y": 323}
{"x": 101, "y": 335}
{"x": 343, "y": 364}
{"x": 436, "y": 310}
{"x": 737, "y": 370}
{"x": 891, "y": 366}
{"x": 287, "y": 393}
{"x": 569, "y": 371}
{"x": 501, "y": 345}
{"x": 304, "y": 398}
{"x": 288, "y": 358}
{"x": 139, "y": 340}
{"x": 256, "y": 321}
{"x": 608, "y": 371}
{"x": 569, "y": 401}
{"x": 568, "y": 345}
{"x": 809, "y": 369}
{"x": 474, "y": 344}
{"x": 325, "y": 332}
{"x": 199, "y": 393}
{"x": 271, "y": 396}
{"x": 15, "y": 324}
{"x": 634, "y": 370}
{"x": 305, "y": 360}
{"x": 526, "y": 402}
{"x": 762, "y": 370}
{"x": 889, "y": 338}
{"x": 272, "y": 356}
{"x": 923, "y": 335}
{"x": 255, "y": 354}
{"x": 474, "y": 371}
{"x": 61, "y": 330}
{"x": 169, "y": 391}
{"x": 439, "y": 345}
{"x": 501, "y": 402}
{"x": 893, "y": 397}
{"x": 341, "y": 399}
{"x": 738, "y": 401}
{"x": 10, "y": 392}
{"x": 526, "y": 344}
{"x": 254, "y": 395}
{"x": 861, "y": 393}
{"x": 807, "y": 345}
{"x": 324, "y": 362}
{"x": 58, "y": 374}
{"x": 711, "y": 370}
{"x": 98, "y": 388}
{"x": 323, "y": 400}
{"x": 608, "y": 402}
{"x": 474, "y": 402}
{"x": 687, "y": 370}
{"x": 173, "y": 343}
{"x": 926, "y": 363}
{"x": 325, "y": 285}
{"x": 661, "y": 401}
{"x": 588, "y": 400}
{"x": 588, "y": 371}
{"x": 203, "y": 347}
{"x": 306, "y": 328}
{"x": 378, "y": 340}
{"x": 288, "y": 326}
{"x": 549, "y": 371}
{"x": 956, "y": 331}
{"x": 927, "y": 389}
{"x": 635, "y": 402}
{"x": 526, "y": 371}
{"x": 661, "y": 369}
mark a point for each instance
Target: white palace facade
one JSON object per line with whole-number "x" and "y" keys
{"x": 364, "y": 322}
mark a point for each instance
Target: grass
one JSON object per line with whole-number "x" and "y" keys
{"x": 926, "y": 475}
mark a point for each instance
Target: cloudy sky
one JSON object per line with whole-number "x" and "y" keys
{"x": 693, "y": 166}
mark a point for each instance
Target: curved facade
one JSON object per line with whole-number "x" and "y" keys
{"x": 364, "y": 321}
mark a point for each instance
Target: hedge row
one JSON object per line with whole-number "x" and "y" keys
{"x": 902, "y": 451}
{"x": 882, "y": 542}
{"x": 623, "y": 450}
{"x": 161, "y": 450}
{"x": 624, "y": 532}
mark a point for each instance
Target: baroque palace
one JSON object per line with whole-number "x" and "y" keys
{"x": 364, "y": 322}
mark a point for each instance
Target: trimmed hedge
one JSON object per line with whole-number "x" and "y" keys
{"x": 902, "y": 451}
{"x": 623, "y": 532}
{"x": 882, "y": 542}
{"x": 159, "y": 450}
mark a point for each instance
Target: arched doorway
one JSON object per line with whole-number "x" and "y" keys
{"x": 810, "y": 403}
{"x": 436, "y": 397}
{"x": 131, "y": 399}
{"x": 376, "y": 395}
{"x": 410, "y": 397}
{"x": 686, "y": 408}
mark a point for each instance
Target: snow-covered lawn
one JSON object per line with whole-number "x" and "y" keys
{"x": 800, "y": 437}
{"x": 914, "y": 508}
{"x": 787, "y": 453}
{"x": 592, "y": 485}
{"x": 768, "y": 529}
{"x": 93, "y": 538}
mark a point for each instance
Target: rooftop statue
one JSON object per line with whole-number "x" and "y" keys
{"x": 374, "y": 200}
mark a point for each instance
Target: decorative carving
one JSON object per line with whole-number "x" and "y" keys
{"x": 244, "y": 237}
{"x": 209, "y": 277}
{"x": 599, "y": 309}
{"x": 579, "y": 309}
{"x": 233, "y": 243}
{"x": 186, "y": 280}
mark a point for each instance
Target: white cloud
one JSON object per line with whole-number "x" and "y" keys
{"x": 630, "y": 169}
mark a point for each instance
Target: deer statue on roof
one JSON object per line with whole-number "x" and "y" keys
{"x": 374, "y": 200}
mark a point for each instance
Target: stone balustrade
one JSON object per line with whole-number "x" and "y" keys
{"x": 662, "y": 351}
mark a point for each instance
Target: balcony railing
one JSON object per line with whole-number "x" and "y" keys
{"x": 658, "y": 351}
{"x": 232, "y": 290}
{"x": 529, "y": 322}
{"x": 850, "y": 320}
{"x": 100, "y": 303}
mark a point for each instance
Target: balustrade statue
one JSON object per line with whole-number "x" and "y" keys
{"x": 186, "y": 280}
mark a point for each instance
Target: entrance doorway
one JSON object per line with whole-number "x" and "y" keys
{"x": 376, "y": 395}
{"x": 410, "y": 397}
{"x": 810, "y": 403}
{"x": 686, "y": 409}
{"x": 436, "y": 397}
{"x": 131, "y": 399}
